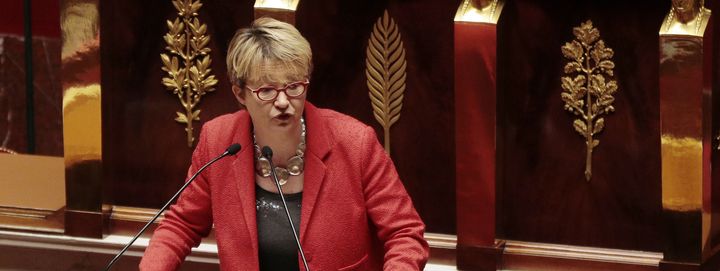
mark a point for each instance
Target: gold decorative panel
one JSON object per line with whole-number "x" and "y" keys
{"x": 277, "y": 4}
{"x": 687, "y": 18}
{"x": 82, "y": 127}
{"x": 479, "y": 11}
{"x": 385, "y": 71}
{"x": 191, "y": 79}
{"x": 283, "y": 10}
{"x": 82, "y": 118}
{"x": 682, "y": 169}
{"x": 589, "y": 94}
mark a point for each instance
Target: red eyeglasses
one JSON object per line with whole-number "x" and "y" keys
{"x": 292, "y": 90}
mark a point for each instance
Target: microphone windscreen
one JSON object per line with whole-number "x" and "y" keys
{"x": 267, "y": 152}
{"x": 233, "y": 149}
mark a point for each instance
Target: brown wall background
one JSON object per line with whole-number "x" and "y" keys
{"x": 145, "y": 156}
{"x": 542, "y": 193}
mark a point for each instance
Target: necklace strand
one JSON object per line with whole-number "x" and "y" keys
{"x": 295, "y": 164}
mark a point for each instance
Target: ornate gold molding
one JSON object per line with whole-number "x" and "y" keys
{"x": 479, "y": 11}
{"x": 186, "y": 39}
{"x": 282, "y": 10}
{"x": 588, "y": 95}
{"x": 687, "y": 18}
{"x": 277, "y": 4}
{"x": 385, "y": 71}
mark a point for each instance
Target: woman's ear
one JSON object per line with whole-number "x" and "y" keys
{"x": 239, "y": 94}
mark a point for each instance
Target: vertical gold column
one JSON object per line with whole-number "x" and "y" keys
{"x": 80, "y": 25}
{"x": 475, "y": 129}
{"x": 686, "y": 139}
{"x": 283, "y": 10}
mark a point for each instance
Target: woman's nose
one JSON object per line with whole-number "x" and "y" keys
{"x": 282, "y": 100}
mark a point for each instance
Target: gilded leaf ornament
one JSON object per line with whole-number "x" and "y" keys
{"x": 385, "y": 71}
{"x": 588, "y": 89}
{"x": 187, "y": 62}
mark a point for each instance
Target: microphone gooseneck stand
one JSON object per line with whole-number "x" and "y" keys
{"x": 232, "y": 150}
{"x": 268, "y": 153}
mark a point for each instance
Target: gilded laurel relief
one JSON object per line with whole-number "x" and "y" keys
{"x": 588, "y": 89}
{"x": 191, "y": 79}
{"x": 385, "y": 71}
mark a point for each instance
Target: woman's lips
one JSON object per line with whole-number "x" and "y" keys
{"x": 283, "y": 117}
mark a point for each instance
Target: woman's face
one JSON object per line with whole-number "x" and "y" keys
{"x": 281, "y": 114}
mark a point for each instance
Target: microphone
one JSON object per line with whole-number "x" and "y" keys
{"x": 268, "y": 153}
{"x": 231, "y": 150}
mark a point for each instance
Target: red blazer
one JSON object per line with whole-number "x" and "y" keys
{"x": 356, "y": 214}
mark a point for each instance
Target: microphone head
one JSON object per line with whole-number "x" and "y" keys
{"x": 267, "y": 152}
{"x": 233, "y": 149}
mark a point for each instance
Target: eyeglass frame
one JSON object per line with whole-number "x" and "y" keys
{"x": 256, "y": 91}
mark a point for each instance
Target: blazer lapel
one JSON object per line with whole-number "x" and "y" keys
{"x": 244, "y": 176}
{"x": 319, "y": 144}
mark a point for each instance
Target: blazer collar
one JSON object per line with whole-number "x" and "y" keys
{"x": 244, "y": 176}
{"x": 319, "y": 141}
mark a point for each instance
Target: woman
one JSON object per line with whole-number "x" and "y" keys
{"x": 350, "y": 209}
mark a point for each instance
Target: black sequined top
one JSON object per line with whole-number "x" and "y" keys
{"x": 276, "y": 243}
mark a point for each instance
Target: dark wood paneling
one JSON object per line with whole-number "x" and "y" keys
{"x": 84, "y": 224}
{"x": 45, "y": 18}
{"x": 423, "y": 139}
{"x": 543, "y": 195}
{"x": 144, "y": 151}
{"x": 475, "y": 104}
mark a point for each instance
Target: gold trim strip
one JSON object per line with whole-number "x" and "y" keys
{"x": 31, "y": 219}
{"x": 583, "y": 253}
{"x": 443, "y": 241}
{"x": 290, "y": 5}
{"x": 25, "y": 212}
{"x": 134, "y": 214}
{"x": 111, "y": 244}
